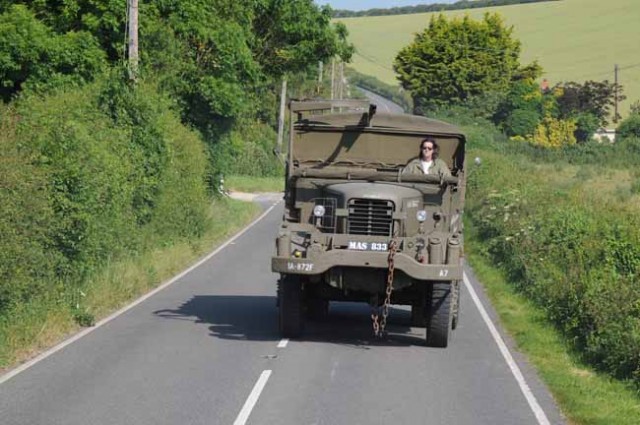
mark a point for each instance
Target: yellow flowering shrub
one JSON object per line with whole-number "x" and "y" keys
{"x": 554, "y": 133}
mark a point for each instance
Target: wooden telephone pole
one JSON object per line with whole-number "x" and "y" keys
{"x": 283, "y": 104}
{"x": 615, "y": 93}
{"x": 133, "y": 39}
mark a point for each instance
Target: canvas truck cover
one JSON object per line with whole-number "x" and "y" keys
{"x": 352, "y": 138}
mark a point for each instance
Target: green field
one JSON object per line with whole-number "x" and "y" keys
{"x": 574, "y": 40}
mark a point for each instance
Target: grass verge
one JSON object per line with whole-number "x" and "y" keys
{"x": 585, "y": 396}
{"x": 44, "y": 322}
{"x": 254, "y": 184}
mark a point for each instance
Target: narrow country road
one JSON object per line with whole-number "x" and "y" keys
{"x": 205, "y": 350}
{"x": 384, "y": 105}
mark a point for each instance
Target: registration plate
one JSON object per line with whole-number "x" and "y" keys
{"x": 368, "y": 246}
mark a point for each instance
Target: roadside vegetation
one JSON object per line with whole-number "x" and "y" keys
{"x": 585, "y": 395}
{"x": 564, "y": 229}
{"x": 554, "y": 240}
{"x": 553, "y": 235}
{"x": 110, "y": 186}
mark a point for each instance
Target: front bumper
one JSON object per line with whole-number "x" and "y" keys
{"x": 326, "y": 260}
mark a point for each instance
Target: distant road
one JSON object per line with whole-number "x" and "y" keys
{"x": 206, "y": 351}
{"x": 384, "y": 105}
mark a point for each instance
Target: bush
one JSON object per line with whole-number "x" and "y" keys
{"x": 522, "y": 122}
{"x": 84, "y": 183}
{"x": 246, "y": 150}
{"x": 33, "y": 55}
{"x": 586, "y": 125}
{"x": 629, "y": 127}
{"x": 554, "y": 133}
{"x": 26, "y": 265}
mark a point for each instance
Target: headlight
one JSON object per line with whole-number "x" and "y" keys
{"x": 421, "y": 215}
{"x": 318, "y": 211}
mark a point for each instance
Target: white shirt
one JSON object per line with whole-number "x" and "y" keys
{"x": 426, "y": 165}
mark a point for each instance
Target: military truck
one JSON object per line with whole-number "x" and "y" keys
{"x": 356, "y": 228}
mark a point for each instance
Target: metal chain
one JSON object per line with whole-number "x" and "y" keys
{"x": 379, "y": 325}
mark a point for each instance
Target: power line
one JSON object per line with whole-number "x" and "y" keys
{"x": 629, "y": 66}
{"x": 375, "y": 62}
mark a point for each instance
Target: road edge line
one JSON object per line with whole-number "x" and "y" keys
{"x": 6, "y": 377}
{"x": 506, "y": 354}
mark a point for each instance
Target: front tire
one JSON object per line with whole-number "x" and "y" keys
{"x": 291, "y": 307}
{"x": 440, "y": 315}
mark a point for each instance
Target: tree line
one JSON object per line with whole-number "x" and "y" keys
{"x": 434, "y": 7}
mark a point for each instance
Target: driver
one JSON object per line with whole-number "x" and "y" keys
{"x": 428, "y": 161}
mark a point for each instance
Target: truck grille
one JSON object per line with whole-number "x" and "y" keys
{"x": 370, "y": 217}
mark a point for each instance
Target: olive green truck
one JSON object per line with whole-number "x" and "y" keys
{"x": 356, "y": 228}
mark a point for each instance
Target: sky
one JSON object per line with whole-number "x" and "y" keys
{"x": 371, "y": 4}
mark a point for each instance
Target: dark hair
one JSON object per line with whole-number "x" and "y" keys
{"x": 436, "y": 148}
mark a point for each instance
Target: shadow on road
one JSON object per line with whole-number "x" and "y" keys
{"x": 255, "y": 318}
{"x": 252, "y": 318}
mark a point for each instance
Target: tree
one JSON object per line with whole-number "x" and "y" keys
{"x": 31, "y": 53}
{"x": 104, "y": 19}
{"x": 454, "y": 60}
{"x": 630, "y": 127}
{"x": 291, "y": 35}
{"x": 592, "y": 97}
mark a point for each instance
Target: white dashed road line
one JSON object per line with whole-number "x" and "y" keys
{"x": 283, "y": 343}
{"x": 253, "y": 398}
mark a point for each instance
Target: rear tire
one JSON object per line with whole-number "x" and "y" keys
{"x": 439, "y": 319}
{"x": 291, "y": 308}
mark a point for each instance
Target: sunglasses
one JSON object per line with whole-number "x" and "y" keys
{"x": 427, "y": 148}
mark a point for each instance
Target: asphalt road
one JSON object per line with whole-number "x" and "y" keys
{"x": 384, "y": 105}
{"x": 205, "y": 350}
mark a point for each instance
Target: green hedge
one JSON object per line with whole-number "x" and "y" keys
{"x": 570, "y": 243}
{"x": 89, "y": 175}
{"x": 247, "y": 150}
{"x": 568, "y": 247}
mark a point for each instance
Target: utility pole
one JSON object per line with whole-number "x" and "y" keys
{"x": 333, "y": 77}
{"x": 283, "y": 97}
{"x": 133, "y": 39}
{"x": 320, "y": 69}
{"x": 341, "y": 92}
{"x": 615, "y": 95}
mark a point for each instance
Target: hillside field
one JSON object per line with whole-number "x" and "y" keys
{"x": 574, "y": 40}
